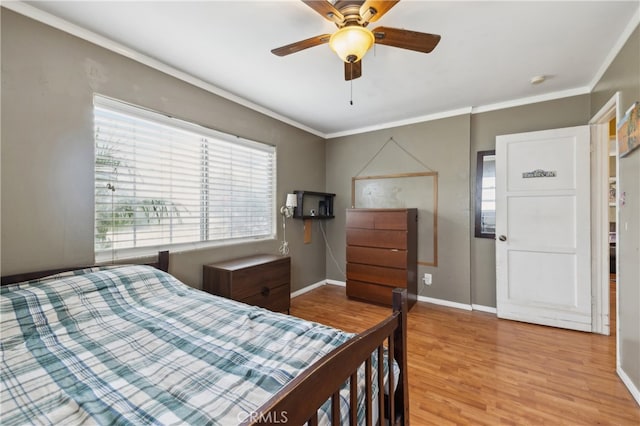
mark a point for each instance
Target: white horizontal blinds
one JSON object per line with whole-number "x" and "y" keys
{"x": 176, "y": 183}
{"x": 155, "y": 172}
{"x": 239, "y": 185}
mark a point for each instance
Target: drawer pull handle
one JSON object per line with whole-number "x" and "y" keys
{"x": 265, "y": 291}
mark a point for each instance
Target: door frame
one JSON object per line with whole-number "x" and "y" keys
{"x": 600, "y": 218}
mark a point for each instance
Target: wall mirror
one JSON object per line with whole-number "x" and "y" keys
{"x": 486, "y": 195}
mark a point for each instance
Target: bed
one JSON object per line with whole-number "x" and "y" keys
{"x": 133, "y": 345}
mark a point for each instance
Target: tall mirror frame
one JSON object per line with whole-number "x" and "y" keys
{"x": 485, "y": 208}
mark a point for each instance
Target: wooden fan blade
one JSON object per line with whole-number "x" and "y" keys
{"x": 405, "y": 39}
{"x": 352, "y": 70}
{"x": 301, "y": 45}
{"x": 326, "y": 9}
{"x": 372, "y": 10}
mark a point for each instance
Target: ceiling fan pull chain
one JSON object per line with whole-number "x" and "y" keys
{"x": 351, "y": 100}
{"x": 351, "y": 81}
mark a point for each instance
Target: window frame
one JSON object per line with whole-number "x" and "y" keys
{"x": 479, "y": 232}
{"x": 137, "y": 112}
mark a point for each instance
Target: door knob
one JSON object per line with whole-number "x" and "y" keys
{"x": 502, "y": 238}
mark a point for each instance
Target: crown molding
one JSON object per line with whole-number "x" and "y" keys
{"x": 532, "y": 100}
{"x": 624, "y": 37}
{"x": 414, "y": 120}
{"x": 99, "y": 40}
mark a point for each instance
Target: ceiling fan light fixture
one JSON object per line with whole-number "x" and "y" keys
{"x": 351, "y": 41}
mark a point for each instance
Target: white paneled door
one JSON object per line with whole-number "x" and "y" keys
{"x": 543, "y": 250}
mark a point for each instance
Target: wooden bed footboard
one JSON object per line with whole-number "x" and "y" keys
{"x": 298, "y": 402}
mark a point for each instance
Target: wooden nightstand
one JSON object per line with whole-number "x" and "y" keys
{"x": 262, "y": 280}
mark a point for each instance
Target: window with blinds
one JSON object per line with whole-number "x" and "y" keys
{"x": 160, "y": 182}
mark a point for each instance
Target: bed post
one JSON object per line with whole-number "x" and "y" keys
{"x": 163, "y": 260}
{"x": 400, "y": 354}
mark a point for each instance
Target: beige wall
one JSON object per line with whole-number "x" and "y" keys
{"x": 48, "y": 80}
{"x": 49, "y": 77}
{"x": 624, "y": 76}
{"x": 440, "y": 145}
{"x": 468, "y": 279}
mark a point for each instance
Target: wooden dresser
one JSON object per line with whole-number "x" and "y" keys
{"x": 382, "y": 253}
{"x": 262, "y": 280}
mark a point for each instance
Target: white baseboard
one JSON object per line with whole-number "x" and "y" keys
{"x": 442, "y": 302}
{"x": 424, "y": 299}
{"x": 338, "y": 283}
{"x": 483, "y": 308}
{"x": 308, "y": 288}
{"x": 635, "y": 392}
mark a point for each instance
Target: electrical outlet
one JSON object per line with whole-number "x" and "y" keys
{"x": 426, "y": 279}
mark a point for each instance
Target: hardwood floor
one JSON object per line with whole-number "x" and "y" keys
{"x": 472, "y": 368}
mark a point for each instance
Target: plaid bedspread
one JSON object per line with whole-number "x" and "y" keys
{"x": 133, "y": 345}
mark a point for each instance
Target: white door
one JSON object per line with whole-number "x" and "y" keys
{"x": 543, "y": 227}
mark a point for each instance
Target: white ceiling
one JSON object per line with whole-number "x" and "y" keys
{"x": 487, "y": 56}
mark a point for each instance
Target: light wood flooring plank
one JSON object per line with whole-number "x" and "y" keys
{"x": 473, "y": 368}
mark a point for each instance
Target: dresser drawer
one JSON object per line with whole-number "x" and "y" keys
{"x": 378, "y": 219}
{"x": 359, "y": 219}
{"x": 375, "y": 238}
{"x": 370, "y": 292}
{"x": 392, "y": 258}
{"x": 391, "y": 220}
{"x": 377, "y": 274}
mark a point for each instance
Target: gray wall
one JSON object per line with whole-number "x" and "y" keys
{"x": 624, "y": 75}
{"x": 441, "y": 145}
{"x": 48, "y": 79}
{"x": 566, "y": 112}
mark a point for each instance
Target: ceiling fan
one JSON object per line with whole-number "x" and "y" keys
{"x": 353, "y": 39}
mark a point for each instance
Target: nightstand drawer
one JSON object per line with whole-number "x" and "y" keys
{"x": 249, "y": 281}
{"x": 273, "y": 298}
